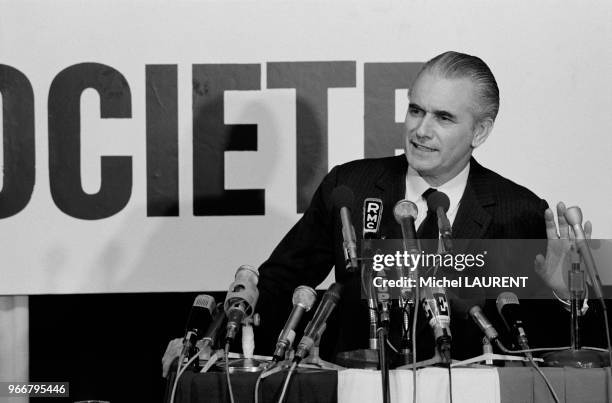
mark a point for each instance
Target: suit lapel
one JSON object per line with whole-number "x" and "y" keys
{"x": 392, "y": 184}
{"x": 473, "y": 220}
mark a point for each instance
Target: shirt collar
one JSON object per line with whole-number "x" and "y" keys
{"x": 454, "y": 188}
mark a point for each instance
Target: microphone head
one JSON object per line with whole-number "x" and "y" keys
{"x": 201, "y": 313}
{"x": 305, "y": 297}
{"x": 462, "y": 304}
{"x": 243, "y": 292}
{"x": 438, "y": 199}
{"x": 506, "y": 298}
{"x": 404, "y": 209}
{"x": 342, "y": 196}
{"x": 573, "y": 215}
{"x": 333, "y": 292}
{"x": 483, "y": 323}
{"x": 218, "y": 321}
{"x": 247, "y": 273}
{"x": 205, "y": 301}
{"x": 475, "y": 311}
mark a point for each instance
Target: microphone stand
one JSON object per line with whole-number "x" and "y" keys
{"x": 366, "y": 358}
{"x": 576, "y": 356}
{"x": 383, "y": 362}
{"x": 437, "y": 357}
{"x": 313, "y": 360}
{"x": 248, "y": 363}
{"x": 409, "y": 305}
{"x": 577, "y": 291}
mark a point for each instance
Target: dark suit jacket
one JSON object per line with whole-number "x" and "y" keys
{"x": 491, "y": 207}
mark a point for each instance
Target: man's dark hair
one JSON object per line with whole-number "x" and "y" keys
{"x": 460, "y": 65}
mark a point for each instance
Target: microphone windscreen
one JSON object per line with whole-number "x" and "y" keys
{"x": 342, "y": 196}
{"x": 404, "y": 209}
{"x": 438, "y": 199}
{"x": 506, "y": 298}
{"x": 304, "y": 296}
{"x": 333, "y": 292}
{"x": 247, "y": 273}
{"x": 201, "y": 313}
{"x": 461, "y": 304}
{"x": 205, "y": 301}
{"x": 573, "y": 215}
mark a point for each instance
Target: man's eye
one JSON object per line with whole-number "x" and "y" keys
{"x": 444, "y": 118}
{"x": 415, "y": 111}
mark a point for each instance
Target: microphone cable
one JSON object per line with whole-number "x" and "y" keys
{"x": 414, "y": 327}
{"x": 543, "y": 349}
{"x": 286, "y": 383}
{"x": 450, "y": 384}
{"x": 227, "y": 372}
{"x": 179, "y": 372}
{"x": 607, "y": 325}
{"x": 384, "y": 364}
{"x": 546, "y": 380}
{"x": 260, "y": 378}
{"x": 391, "y": 346}
{"x": 527, "y": 353}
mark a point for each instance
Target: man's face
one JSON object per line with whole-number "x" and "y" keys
{"x": 441, "y": 129}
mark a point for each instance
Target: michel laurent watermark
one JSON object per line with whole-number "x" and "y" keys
{"x": 445, "y": 282}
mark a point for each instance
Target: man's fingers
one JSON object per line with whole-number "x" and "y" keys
{"x": 539, "y": 265}
{"x": 588, "y": 229}
{"x": 563, "y": 227}
{"x": 172, "y": 352}
{"x": 551, "y": 227}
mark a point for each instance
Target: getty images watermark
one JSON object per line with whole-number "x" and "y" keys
{"x": 404, "y": 262}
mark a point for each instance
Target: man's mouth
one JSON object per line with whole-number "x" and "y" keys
{"x": 422, "y": 147}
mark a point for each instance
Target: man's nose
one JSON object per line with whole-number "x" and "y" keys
{"x": 424, "y": 127}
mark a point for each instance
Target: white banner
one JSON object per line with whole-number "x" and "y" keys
{"x": 131, "y": 127}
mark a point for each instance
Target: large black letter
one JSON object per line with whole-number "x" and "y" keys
{"x": 382, "y": 135}
{"x": 18, "y": 141}
{"x": 162, "y": 141}
{"x": 211, "y": 138}
{"x": 65, "y": 141}
{"x": 311, "y": 81}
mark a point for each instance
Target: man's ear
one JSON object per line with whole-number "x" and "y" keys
{"x": 482, "y": 129}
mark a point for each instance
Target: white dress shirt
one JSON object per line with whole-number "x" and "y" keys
{"x": 454, "y": 188}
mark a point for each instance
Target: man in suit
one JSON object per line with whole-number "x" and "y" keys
{"x": 453, "y": 104}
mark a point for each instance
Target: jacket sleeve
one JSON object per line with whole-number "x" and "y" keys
{"x": 304, "y": 256}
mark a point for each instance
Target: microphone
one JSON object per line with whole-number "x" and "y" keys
{"x": 510, "y": 311}
{"x": 440, "y": 203}
{"x": 199, "y": 318}
{"x": 317, "y": 323}
{"x": 303, "y": 299}
{"x": 210, "y": 337}
{"x": 405, "y": 213}
{"x": 372, "y": 216}
{"x": 483, "y": 323}
{"x": 343, "y": 199}
{"x": 573, "y": 215}
{"x": 240, "y": 300}
{"x": 437, "y": 309}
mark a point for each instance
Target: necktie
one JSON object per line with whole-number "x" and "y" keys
{"x": 429, "y": 227}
